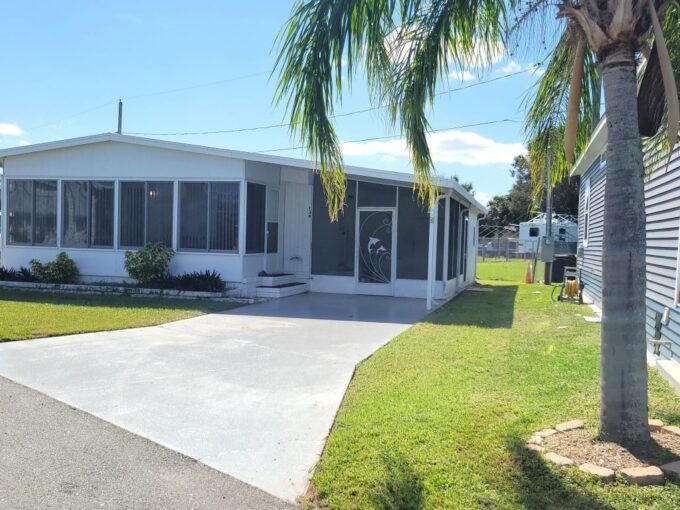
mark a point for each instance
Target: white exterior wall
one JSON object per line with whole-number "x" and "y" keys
{"x": 117, "y": 162}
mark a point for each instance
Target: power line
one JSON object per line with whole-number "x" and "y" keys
{"x": 339, "y": 115}
{"x": 464, "y": 126}
{"x": 148, "y": 94}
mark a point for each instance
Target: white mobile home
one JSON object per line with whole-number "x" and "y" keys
{"x": 564, "y": 232}
{"x": 241, "y": 214}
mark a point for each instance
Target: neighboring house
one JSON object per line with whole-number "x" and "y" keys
{"x": 235, "y": 212}
{"x": 662, "y": 196}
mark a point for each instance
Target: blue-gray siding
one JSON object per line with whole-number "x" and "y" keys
{"x": 662, "y": 196}
{"x": 590, "y": 264}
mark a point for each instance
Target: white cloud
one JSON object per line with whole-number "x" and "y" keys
{"x": 462, "y": 75}
{"x": 483, "y": 198}
{"x": 24, "y": 143}
{"x": 11, "y": 130}
{"x": 400, "y": 44}
{"x": 511, "y": 67}
{"x": 462, "y": 147}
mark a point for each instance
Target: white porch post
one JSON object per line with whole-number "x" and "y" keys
{"x": 432, "y": 254}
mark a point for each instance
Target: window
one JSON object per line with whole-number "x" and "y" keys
{"x": 255, "y": 217}
{"x": 586, "y": 211}
{"x": 87, "y": 214}
{"x": 145, "y": 213}
{"x": 32, "y": 212}
{"x": 534, "y": 231}
{"x": 209, "y": 216}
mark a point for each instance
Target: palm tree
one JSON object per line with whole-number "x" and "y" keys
{"x": 405, "y": 48}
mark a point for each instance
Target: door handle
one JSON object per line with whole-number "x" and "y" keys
{"x": 296, "y": 257}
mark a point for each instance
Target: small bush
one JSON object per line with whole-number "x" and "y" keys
{"x": 149, "y": 265}
{"x": 61, "y": 270}
{"x": 198, "y": 281}
{"x": 23, "y": 274}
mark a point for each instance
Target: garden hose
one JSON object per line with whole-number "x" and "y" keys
{"x": 571, "y": 289}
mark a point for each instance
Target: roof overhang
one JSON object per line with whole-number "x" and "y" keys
{"x": 596, "y": 146}
{"x": 369, "y": 173}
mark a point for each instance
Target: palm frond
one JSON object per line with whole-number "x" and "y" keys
{"x": 546, "y": 113}
{"x": 322, "y": 43}
{"x": 444, "y": 34}
{"x": 652, "y": 109}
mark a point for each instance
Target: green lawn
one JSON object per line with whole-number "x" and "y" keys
{"x": 32, "y": 314}
{"x": 438, "y": 418}
{"x": 512, "y": 270}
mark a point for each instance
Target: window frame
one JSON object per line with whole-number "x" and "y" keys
{"x": 32, "y": 242}
{"x": 62, "y": 202}
{"x": 178, "y": 216}
{"x": 145, "y": 226}
{"x": 586, "y": 211}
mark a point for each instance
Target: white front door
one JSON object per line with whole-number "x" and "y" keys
{"x": 376, "y": 250}
{"x": 297, "y": 235}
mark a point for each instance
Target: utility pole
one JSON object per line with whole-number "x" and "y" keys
{"x": 547, "y": 276}
{"x": 120, "y": 116}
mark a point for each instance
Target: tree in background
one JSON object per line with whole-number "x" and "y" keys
{"x": 519, "y": 204}
{"x": 467, "y": 186}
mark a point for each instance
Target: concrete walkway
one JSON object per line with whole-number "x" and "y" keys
{"x": 251, "y": 392}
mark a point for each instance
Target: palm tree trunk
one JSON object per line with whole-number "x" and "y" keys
{"x": 623, "y": 415}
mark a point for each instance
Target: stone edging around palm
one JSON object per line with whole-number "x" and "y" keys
{"x": 646, "y": 475}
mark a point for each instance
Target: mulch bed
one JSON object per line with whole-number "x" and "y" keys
{"x": 582, "y": 446}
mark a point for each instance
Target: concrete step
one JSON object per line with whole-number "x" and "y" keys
{"x": 277, "y": 279}
{"x": 282, "y": 290}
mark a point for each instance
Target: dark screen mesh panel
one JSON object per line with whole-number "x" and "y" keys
{"x": 376, "y": 195}
{"x": 132, "y": 214}
{"x": 255, "y": 219}
{"x": 45, "y": 220}
{"x": 412, "y": 237}
{"x": 159, "y": 197}
{"x": 333, "y": 243}
{"x": 224, "y": 205}
{"x": 20, "y": 209}
{"x": 193, "y": 221}
{"x": 101, "y": 213}
{"x": 453, "y": 238}
{"x": 74, "y": 213}
{"x": 441, "y": 226}
{"x": 272, "y": 237}
{"x": 465, "y": 226}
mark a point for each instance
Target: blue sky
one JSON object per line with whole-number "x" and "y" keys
{"x": 65, "y": 64}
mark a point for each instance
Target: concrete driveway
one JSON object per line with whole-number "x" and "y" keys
{"x": 251, "y": 392}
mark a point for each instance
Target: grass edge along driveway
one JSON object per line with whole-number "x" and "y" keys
{"x": 438, "y": 417}
{"x": 25, "y": 315}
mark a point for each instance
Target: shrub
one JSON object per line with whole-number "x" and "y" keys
{"x": 150, "y": 264}
{"x": 198, "y": 281}
{"x": 23, "y": 274}
{"x": 61, "y": 270}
